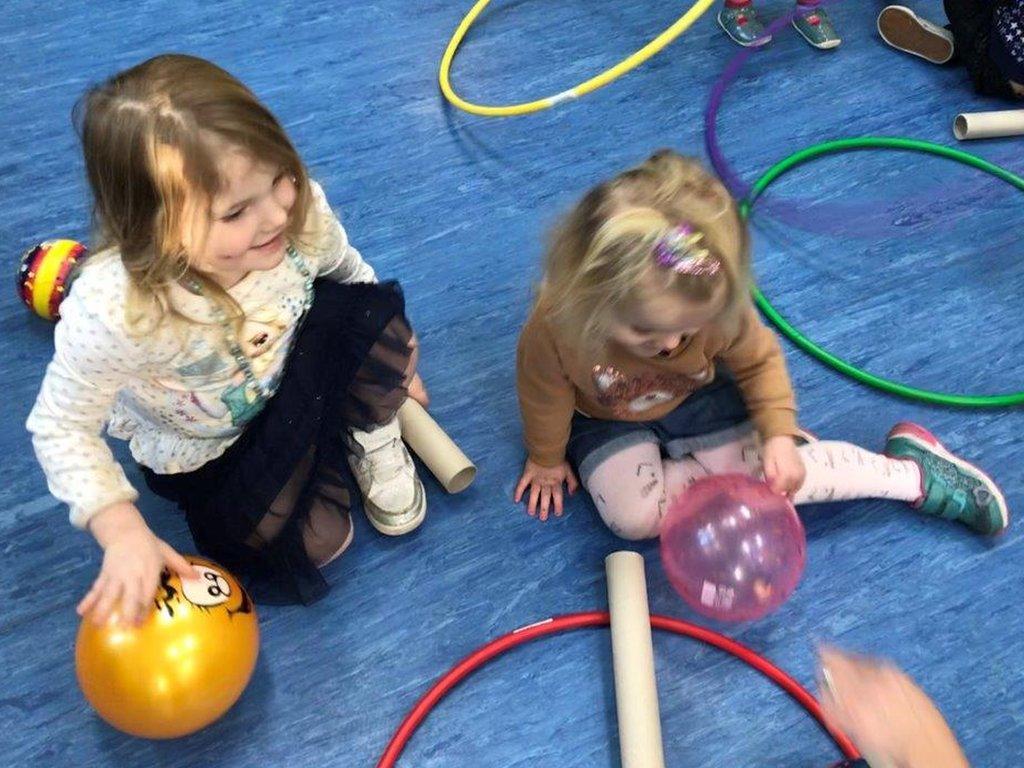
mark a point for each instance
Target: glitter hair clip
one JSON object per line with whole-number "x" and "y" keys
{"x": 681, "y": 252}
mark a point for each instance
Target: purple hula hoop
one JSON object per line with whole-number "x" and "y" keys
{"x": 865, "y": 219}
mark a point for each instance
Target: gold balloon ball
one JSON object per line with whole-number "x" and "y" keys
{"x": 180, "y": 670}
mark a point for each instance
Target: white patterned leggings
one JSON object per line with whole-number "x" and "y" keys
{"x": 631, "y": 488}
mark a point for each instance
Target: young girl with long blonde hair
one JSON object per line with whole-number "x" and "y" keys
{"x": 228, "y": 331}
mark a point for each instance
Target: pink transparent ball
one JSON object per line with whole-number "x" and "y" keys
{"x": 733, "y": 549}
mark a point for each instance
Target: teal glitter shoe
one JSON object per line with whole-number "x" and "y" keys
{"x": 743, "y": 26}
{"x": 816, "y": 27}
{"x": 803, "y": 437}
{"x": 951, "y": 488}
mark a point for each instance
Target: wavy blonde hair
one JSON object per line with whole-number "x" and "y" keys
{"x": 601, "y": 254}
{"x": 151, "y": 136}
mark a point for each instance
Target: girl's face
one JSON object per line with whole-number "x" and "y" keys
{"x": 247, "y": 220}
{"x": 661, "y": 319}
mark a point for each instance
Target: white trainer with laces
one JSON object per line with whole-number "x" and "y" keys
{"x": 393, "y": 494}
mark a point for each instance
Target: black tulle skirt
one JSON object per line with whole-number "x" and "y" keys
{"x": 348, "y": 368}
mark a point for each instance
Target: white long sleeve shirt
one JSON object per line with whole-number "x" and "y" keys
{"x": 177, "y": 394}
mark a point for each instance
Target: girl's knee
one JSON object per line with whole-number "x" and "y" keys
{"x": 628, "y": 489}
{"x": 325, "y": 534}
{"x": 635, "y": 522}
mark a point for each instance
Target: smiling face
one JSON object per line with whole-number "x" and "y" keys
{"x": 212, "y": 590}
{"x": 659, "y": 319}
{"x": 248, "y": 217}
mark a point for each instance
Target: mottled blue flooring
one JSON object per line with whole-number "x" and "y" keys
{"x": 922, "y": 282}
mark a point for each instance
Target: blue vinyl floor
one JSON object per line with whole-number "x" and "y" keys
{"x": 908, "y": 265}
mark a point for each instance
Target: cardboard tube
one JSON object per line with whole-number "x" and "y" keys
{"x": 636, "y": 691}
{"x": 443, "y": 458}
{"x": 989, "y": 125}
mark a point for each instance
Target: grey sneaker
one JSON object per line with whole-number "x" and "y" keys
{"x": 393, "y": 495}
{"x": 814, "y": 24}
{"x": 743, "y": 26}
{"x": 905, "y": 31}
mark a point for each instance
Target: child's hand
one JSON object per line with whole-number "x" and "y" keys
{"x": 783, "y": 467}
{"x": 418, "y": 391}
{"x": 133, "y": 559}
{"x": 889, "y": 719}
{"x": 545, "y": 484}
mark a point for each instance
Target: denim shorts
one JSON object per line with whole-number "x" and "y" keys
{"x": 712, "y": 416}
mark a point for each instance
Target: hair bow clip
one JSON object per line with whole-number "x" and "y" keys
{"x": 680, "y": 250}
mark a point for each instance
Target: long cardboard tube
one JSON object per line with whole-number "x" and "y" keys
{"x": 636, "y": 691}
{"x": 443, "y": 458}
{"x": 989, "y": 125}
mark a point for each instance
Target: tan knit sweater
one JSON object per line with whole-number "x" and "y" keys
{"x": 554, "y": 380}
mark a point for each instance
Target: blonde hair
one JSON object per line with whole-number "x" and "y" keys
{"x": 601, "y": 254}
{"x": 151, "y": 136}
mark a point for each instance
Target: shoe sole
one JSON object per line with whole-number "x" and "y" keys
{"x": 757, "y": 43}
{"x": 905, "y": 31}
{"x": 403, "y": 528}
{"x": 925, "y": 440}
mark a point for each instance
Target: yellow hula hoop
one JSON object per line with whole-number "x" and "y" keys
{"x": 632, "y": 61}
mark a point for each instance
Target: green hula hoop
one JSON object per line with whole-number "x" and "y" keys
{"x": 817, "y": 351}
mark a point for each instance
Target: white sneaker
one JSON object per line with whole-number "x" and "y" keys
{"x": 905, "y": 31}
{"x": 393, "y": 495}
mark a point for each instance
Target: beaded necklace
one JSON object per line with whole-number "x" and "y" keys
{"x": 195, "y": 287}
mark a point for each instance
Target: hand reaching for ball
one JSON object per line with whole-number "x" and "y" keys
{"x": 133, "y": 558}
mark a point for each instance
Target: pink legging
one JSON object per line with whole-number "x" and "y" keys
{"x": 631, "y": 488}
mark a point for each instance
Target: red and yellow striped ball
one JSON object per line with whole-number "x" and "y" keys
{"x": 46, "y": 273}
